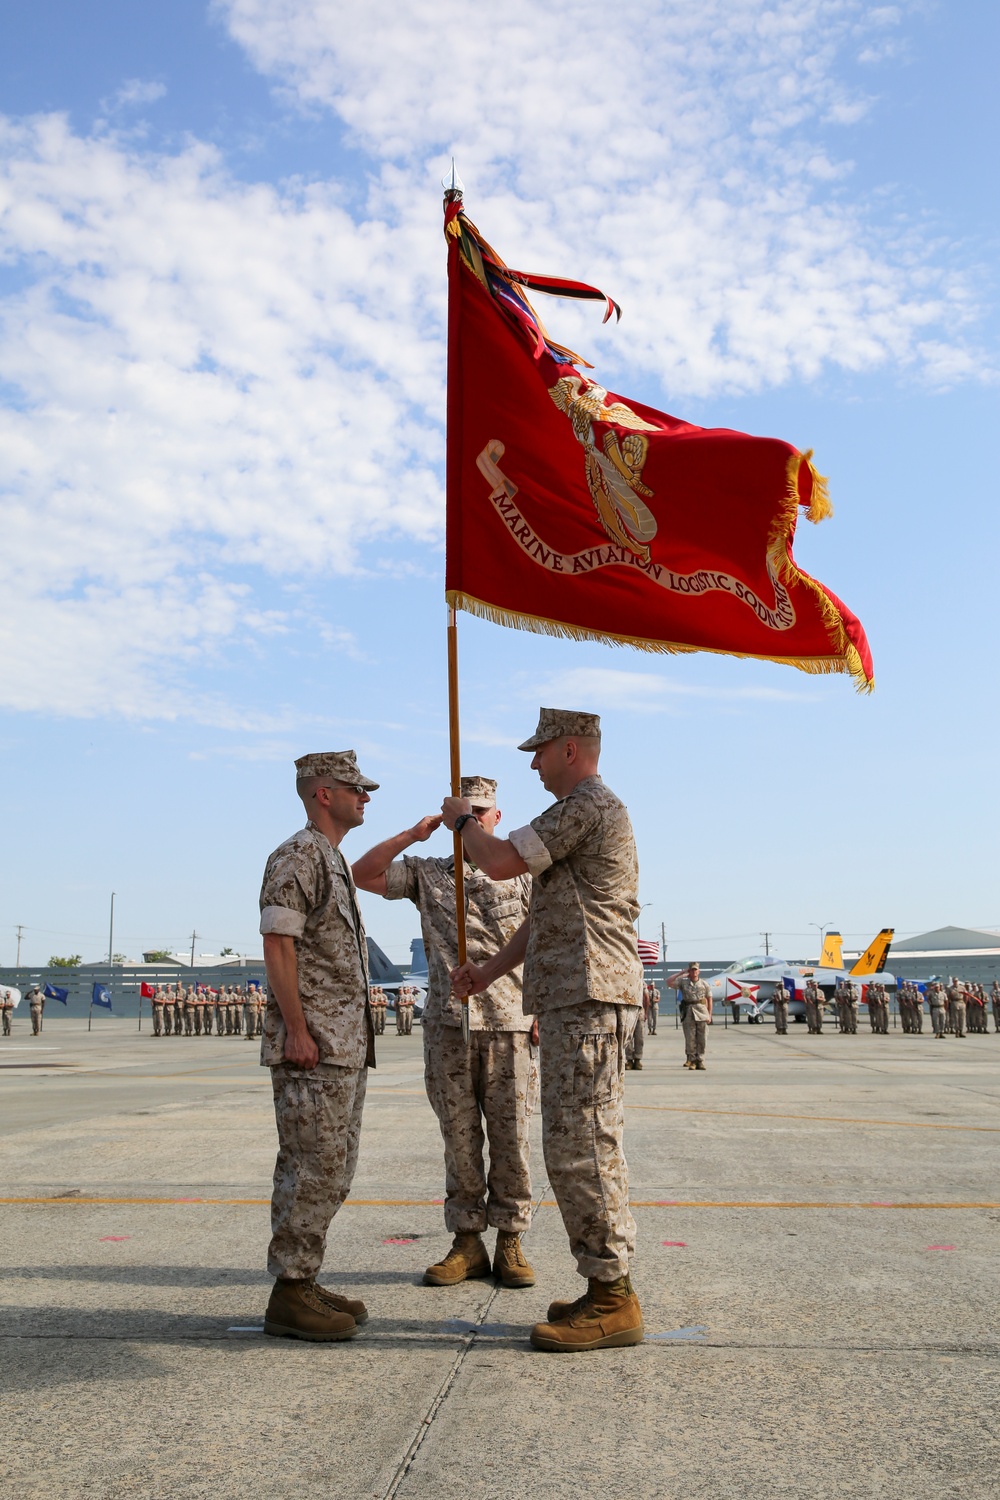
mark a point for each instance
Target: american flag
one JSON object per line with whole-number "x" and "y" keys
{"x": 649, "y": 952}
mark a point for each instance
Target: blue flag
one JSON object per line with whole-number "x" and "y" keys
{"x": 101, "y": 996}
{"x": 789, "y": 984}
{"x": 53, "y": 992}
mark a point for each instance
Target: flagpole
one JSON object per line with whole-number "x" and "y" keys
{"x": 453, "y": 191}
{"x": 456, "y": 791}
{"x": 111, "y": 949}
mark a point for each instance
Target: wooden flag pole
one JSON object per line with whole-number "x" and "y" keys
{"x": 456, "y": 791}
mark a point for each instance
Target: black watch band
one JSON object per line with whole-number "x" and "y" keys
{"x": 461, "y": 821}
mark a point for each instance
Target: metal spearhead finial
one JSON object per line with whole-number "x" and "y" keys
{"x": 453, "y": 185}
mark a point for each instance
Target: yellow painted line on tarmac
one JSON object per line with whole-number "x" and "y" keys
{"x": 544, "y": 1203}
{"x": 761, "y": 1114}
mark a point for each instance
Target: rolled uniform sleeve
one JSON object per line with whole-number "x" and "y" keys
{"x": 282, "y": 920}
{"x": 531, "y": 849}
{"x": 402, "y": 881}
{"x": 288, "y": 895}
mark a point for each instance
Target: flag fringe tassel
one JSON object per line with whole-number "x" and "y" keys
{"x": 817, "y": 666}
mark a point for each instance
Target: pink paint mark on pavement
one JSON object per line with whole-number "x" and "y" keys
{"x": 940, "y": 1247}
{"x": 399, "y": 1242}
{"x": 114, "y": 1239}
{"x": 676, "y": 1244}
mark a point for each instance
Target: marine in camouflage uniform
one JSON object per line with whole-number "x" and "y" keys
{"x": 696, "y": 1014}
{"x": 779, "y": 1005}
{"x": 489, "y": 1083}
{"x": 956, "y": 1007}
{"x": 852, "y": 999}
{"x": 7, "y": 1010}
{"x": 318, "y": 1042}
{"x": 812, "y": 999}
{"x": 36, "y": 1007}
{"x": 995, "y": 1002}
{"x": 583, "y": 980}
{"x": 917, "y": 1004}
{"x": 652, "y": 1009}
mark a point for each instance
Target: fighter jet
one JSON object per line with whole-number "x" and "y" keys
{"x": 748, "y": 985}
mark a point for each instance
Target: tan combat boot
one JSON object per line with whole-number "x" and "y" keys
{"x": 509, "y": 1262}
{"x": 559, "y": 1310}
{"x": 353, "y": 1306}
{"x": 297, "y": 1311}
{"x": 609, "y": 1318}
{"x": 468, "y": 1257}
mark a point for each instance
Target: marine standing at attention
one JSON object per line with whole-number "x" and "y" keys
{"x": 583, "y": 980}
{"x": 779, "y": 1005}
{"x": 318, "y": 1042}
{"x": 492, "y": 1081}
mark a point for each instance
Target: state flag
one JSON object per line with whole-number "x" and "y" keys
{"x": 101, "y": 996}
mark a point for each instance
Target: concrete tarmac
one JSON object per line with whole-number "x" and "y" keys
{"x": 817, "y": 1263}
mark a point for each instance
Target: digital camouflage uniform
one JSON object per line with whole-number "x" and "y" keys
{"x": 157, "y": 1009}
{"x": 938, "y": 1002}
{"x": 812, "y": 999}
{"x": 653, "y": 1012}
{"x": 36, "y": 1007}
{"x": 583, "y": 979}
{"x": 995, "y": 1002}
{"x": 7, "y": 1010}
{"x": 779, "y": 1006}
{"x": 695, "y": 995}
{"x": 308, "y": 894}
{"x": 917, "y": 1009}
{"x": 956, "y": 1008}
{"x": 493, "y": 1080}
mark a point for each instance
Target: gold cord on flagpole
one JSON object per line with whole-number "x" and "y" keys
{"x": 456, "y": 791}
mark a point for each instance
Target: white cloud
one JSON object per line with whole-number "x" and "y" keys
{"x": 133, "y": 92}
{"x": 204, "y": 376}
{"x": 679, "y": 155}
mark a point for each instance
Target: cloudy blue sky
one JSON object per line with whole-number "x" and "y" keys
{"x": 221, "y": 437}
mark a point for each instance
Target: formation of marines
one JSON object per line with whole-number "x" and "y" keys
{"x": 957, "y": 1009}
{"x": 551, "y": 992}
{"x": 196, "y": 1011}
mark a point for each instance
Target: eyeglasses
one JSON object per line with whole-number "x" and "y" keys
{"x": 343, "y": 786}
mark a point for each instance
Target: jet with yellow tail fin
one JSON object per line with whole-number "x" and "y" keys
{"x": 748, "y": 986}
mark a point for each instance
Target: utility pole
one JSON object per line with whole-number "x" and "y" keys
{"x": 767, "y": 943}
{"x": 111, "y": 947}
{"x": 20, "y": 929}
{"x": 193, "y": 936}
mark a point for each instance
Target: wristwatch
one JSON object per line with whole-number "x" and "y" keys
{"x": 461, "y": 821}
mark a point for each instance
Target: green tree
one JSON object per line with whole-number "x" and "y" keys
{"x": 55, "y": 962}
{"x": 156, "y": 956}
{"x": 227, "y": 953}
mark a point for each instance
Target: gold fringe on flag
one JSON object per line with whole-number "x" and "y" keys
{"x": 538, "y": 625}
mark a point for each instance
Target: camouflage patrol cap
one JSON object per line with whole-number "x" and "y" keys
{"x": 553, "y": 723}
{"x": 480, "y": 790}
{"x": 338, "y": 765}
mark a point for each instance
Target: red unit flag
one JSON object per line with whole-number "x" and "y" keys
{"x": 578, "y": 512}
{"x": 147, "y": 991}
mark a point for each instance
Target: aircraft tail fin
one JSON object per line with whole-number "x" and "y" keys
{"x": 830, "y": 958}
{"x": 872, "y": 961}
